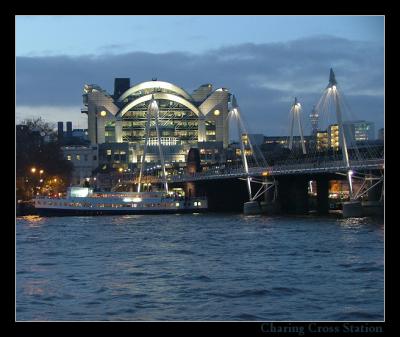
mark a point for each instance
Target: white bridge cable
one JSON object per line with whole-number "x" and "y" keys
{"x": 372, "y": 151}
{"x": 252, "y": 147}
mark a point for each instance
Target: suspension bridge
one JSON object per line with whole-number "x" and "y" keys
{"x": 343, "y": 158}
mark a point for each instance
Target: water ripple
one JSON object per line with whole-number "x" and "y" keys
{"x": 199, "y": 267}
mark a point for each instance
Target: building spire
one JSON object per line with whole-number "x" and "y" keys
{"x": 234, "y": 102}
{"x": 314, "y": 120}
{"x": 332, "y": 79}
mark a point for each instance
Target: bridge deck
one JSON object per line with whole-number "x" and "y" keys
{"x": 298, "y": 169}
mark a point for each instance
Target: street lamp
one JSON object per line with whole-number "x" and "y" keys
{"x": 33, "y": 169}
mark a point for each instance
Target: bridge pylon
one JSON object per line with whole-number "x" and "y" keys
{"x": 252, "y": 206}
{"x": 295, "y": 114}
{"x": 152, "y": 109}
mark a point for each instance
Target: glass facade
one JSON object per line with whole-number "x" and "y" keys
{"x": 175, "y": 122}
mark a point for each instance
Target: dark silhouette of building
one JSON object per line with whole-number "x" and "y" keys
{"x": 60, "y": 130}
{"x": 193, "y": 161}
{"x": 69, "y": 129}
{"x": 120, "y": 86}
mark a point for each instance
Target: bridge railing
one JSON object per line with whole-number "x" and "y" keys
{"x": 327, "y": 166}
{"x": 338, "y": 165}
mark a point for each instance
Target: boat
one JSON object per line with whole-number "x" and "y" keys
{"x": 84, "y": 201}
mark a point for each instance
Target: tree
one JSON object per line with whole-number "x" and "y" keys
{"x": 32, "y": 151}
{"x": 39, "y": 125}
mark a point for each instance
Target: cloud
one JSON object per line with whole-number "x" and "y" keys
{"x": 264, "y": 77}
{"x": 52, "y": 114}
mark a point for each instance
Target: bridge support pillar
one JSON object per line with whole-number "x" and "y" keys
{"x": 374, "y": 205}
{"x": 322, "y": 195}
{"x": 270, "y": 205}
{"x": 374, "y": 194}
{"x": 352, "y": 209}
{"x": 293, "y": 194}
{"x": 251, "y": 208}
{"x": 190, "y": 189}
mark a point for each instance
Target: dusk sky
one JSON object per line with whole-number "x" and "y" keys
{"x": 264, "y": 60}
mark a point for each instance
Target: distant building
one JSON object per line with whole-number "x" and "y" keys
{"x": 278, "y": 140}
{"x": 381, "y": 134}
{"x": 283, "y": 141}
{"x": 354, "y": 131}
{"x": 314, "y": 116}
{"x": 72, "y": 136}
{"x": 84, "y": 160}
{"x": 115, "y": 155}
{"x": 212, "y": 152}
{"x": 60, "y": 131}
{"x": 333, "y": 136}
{"x": 120, "y": 86}
{"x": 358, "y": 131}
{"x": 322, "y": 140}
{"x": 69, "y": 129}
{"x": 81, "y": 134}
{"x": 256, "y": 138}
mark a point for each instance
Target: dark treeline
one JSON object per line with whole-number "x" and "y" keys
{"x": 37, "y": 147}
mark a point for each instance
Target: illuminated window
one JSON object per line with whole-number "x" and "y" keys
{"x": 78, "y": 157}
{"x": 68, "y": 157}
{"x": 108, "y": 152}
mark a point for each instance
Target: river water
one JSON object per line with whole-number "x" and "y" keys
{"x": 199, "y": 267}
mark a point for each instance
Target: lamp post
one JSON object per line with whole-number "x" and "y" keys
{"x": 33, "y": 182}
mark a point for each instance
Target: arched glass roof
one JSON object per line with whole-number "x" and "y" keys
{"x": 171, "y": 97}
{"x": 155, "y": 85}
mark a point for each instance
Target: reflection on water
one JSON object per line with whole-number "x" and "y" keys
{"x": 199, "y": 267}
{"x": 32, "y": 221}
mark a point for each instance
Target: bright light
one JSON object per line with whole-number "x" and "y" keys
{"x": 265, "y": 173}
{"x": 103, "y": 113}
{"x": 195, "y": 203}
{"x": 120, "y": 169}
{"x": 33, "y": 169}
{"x": 132, "y": 199}
{"x": 199, "y": 203}
{"x": 216, "y": 112}
{"x": 334, "y": 87}
{"x": 41, "y": 171}
{"x": 177, "y": 204}
{"x": 351, "y": 172}
{"x": 55, "y": 180}
{"x": 79, "y": 192}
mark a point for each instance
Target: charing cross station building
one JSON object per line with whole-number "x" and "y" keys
{"x": 117, "y": 123}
